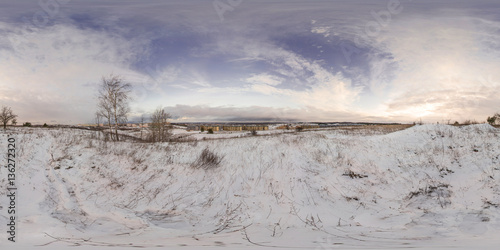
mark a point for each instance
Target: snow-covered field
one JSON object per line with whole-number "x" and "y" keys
{"x": 428, "y": 187}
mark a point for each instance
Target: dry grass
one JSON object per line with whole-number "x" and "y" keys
{"x": 371, "y": 129}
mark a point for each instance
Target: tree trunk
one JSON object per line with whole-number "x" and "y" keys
{"x": 110, "y": 129}
{"x": 116, "y": 133}
{"x": 116, "y": 129}
{"x": 116, "y": 117}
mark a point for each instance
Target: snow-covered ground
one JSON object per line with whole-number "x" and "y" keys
{"x": 428, "y": 187}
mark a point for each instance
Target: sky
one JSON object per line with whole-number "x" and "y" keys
{"x": 254, "y": 60}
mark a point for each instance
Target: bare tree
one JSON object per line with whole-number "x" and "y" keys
{"x": 6, "y": 116}
{"x": 113, "y": 103}
{"x": 159, "y": 127}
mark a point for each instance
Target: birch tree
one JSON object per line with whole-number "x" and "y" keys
{"x": 113, "y": 103}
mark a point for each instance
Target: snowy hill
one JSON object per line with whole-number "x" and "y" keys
{"x": 426, "y": 186}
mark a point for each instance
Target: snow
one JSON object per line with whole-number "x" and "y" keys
{"x": 427, "y": 187}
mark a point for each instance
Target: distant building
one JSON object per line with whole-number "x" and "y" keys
{"x": 283, "y": 127}
{"x": 255, "y": 127}
{"x": 232, "y": 128}
{"x": 193, "y": 128}
{"x": 214, "y": 128}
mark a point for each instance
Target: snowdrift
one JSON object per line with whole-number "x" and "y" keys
{"x": 429, "y": 185}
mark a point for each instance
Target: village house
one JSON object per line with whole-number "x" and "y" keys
{"x": 232, "y": 128}
{"x": 255, "y": 127}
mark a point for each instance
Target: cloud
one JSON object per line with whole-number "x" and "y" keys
{"x": 190, "y": 113}
{"x": 50, "y": 73}
{"x": 305, "y": 81}
{"x": 321, "y": 30}
{"x": 265, "y": 78}
{"x": 438, "y": 68}
{"x": 480, "y": 98}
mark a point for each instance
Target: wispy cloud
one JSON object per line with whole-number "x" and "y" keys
{"x": 265, "y": 78}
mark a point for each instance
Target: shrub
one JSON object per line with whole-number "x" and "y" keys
{"x": 354, "y": 175}
{"x": 207, "y": 160}
{"x": 470, "y": 122}
{"x": 439, "y": 191}
{"x": 45, "y": 125}
{"x": 202, "y": 129}
{"x": 27, "y": 124}
{"x": 253, "y": 132}
{"x": 210, "y": 131}
{"x": 494, "y": 119}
